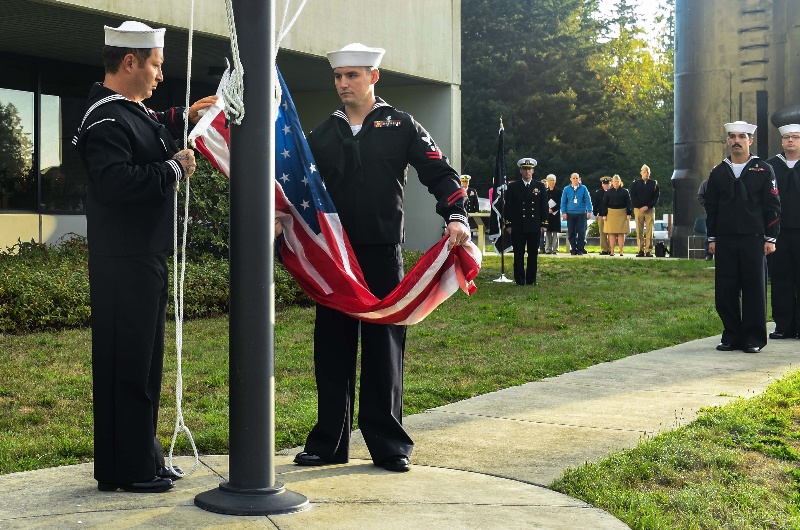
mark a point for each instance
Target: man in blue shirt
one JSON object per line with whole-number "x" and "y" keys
{"x": 576, "y": 209}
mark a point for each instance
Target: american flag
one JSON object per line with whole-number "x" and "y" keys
{"x": 315, "y": 249}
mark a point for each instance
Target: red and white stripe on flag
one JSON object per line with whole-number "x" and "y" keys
{"x": 323, "y": 263}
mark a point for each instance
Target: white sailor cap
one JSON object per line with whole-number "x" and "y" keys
{"x": 789, "y": 128}
{"x": 740, "y": 127}
{"x": 132, "y": 34}
{"x": 356, "y": 54}
{"x": 526, "y": 162}
{"x": 466, "y": 177}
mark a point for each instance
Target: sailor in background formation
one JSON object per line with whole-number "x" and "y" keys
{"x": 743, "y": 221}
{"x": 784, "y": 266}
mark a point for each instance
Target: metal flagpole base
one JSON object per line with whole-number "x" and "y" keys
{"x": 263, "y": 501}
{"x": 503, "y": 279}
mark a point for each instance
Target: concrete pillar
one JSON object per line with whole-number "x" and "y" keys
{"x": 733, "y": 61}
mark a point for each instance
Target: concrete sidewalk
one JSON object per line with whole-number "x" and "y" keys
{"x": 480, "y": 463}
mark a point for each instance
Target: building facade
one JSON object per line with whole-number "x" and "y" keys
{"x": 50, "y": 56}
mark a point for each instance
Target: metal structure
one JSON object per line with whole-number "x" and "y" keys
{"x": 252, "y": 488}
{"x": 734, "y": 60}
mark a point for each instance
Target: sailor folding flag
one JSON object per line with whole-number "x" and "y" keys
{"x": 315, "y": 249}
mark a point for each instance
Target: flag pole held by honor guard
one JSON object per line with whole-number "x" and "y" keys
{"x": 251, "y": 488}
{"x": 500, "y": 187}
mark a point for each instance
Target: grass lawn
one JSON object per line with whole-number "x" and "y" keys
{"x": 735, "y": 467}
{"x": 583, "y": 312}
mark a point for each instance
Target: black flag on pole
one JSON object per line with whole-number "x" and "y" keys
{"x": 502, "y": 241}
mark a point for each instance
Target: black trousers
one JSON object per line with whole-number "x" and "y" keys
{"x": 741, "y": 289}
{"x": 785, "y": 277}
{"x": 380, "y": 404}
{"x": 519, "y": 239}
{"x": 129, "y": 300}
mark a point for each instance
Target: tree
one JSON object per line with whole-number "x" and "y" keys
{"x": 637, "y": 76}
{"x": 571, "y": 94}
{"x": 16, "y": 153}
{"x": 529, "y": 62}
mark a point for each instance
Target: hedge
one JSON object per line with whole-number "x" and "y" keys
{"x": 47, "y": 287}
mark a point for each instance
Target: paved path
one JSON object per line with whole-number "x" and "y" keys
{"x": 480, "y": 463}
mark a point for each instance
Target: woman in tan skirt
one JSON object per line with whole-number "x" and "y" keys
{"x": 616, "y": 211}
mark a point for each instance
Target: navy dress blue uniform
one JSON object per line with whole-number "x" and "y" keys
{"x": 365, "y": 175}
{"x": 526, "y": 210}
{"x": 742, "y": 214}
{"x": 472, "y": 201}
{"x": 127, "y": 151}
{"x": 784, "y": 266}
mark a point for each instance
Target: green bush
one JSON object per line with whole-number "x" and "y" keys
{"x": 209, "y": 209}
{"x": 43, "y": 287}
{"x": 47, "y": 287}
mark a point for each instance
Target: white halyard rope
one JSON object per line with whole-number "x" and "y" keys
{"x": 284, "y": 30}
{"x": 233, "y": 89}
{"x": 180, "y": 274}
{"x": 232, "y": 95}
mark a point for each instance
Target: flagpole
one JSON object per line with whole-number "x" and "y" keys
{"x": 251, "y": 488}
{"x": 500, "y": 168}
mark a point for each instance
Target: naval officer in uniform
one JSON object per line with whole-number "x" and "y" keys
{"x": 526, "y": 211}
{"x": 472, "y": 195}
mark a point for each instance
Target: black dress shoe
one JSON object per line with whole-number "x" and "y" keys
{"x": 310, "y": 459}
{"x": 751, "y": 349}
{"x": 776, "y": 335}
{"x": 395, "y": 463}
{"x": 724, "y": 346}
{"x": 155, "y": 485}
{"x": 175, "y": 473}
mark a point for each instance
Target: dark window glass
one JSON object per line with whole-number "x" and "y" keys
{"x": 63, "y": 176}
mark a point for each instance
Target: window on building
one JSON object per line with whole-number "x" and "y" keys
{"x": 63, "y": 182}
{"x": 41, "y": 103}
{"x": 18, "y": 176}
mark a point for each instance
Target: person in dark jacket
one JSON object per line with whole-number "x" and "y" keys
{"x": 743, "y": 221}
{"x": 526, "y": 211}
{"x": 616, "y": 213}
{"x": 132, "y": 163}
{"x": 597, "y": 202}
{"x": 784, "y": 268}
{"x": 701, "y": 198}
{"x": 362, "y": 152}
{"x": 644, "y": 197}
{"x": 472, "y": 195}
{"x": 554, "y": 215}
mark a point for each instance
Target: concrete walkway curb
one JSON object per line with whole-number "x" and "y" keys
{"x": 480, "y": 463}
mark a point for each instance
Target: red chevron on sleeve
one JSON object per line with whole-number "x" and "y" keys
{"x": 434, "y": 155}
{"x": 455, "y": 196}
